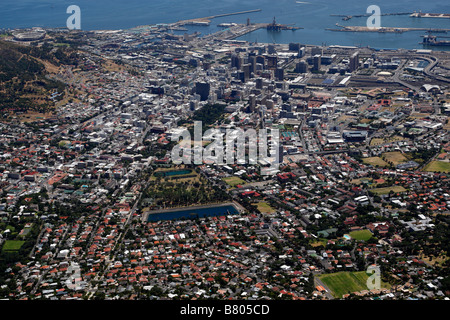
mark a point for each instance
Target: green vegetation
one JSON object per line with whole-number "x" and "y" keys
{"x": 438, "y": 166}
{"x": 422, "y": 156}
{"x": 264, "y": 207}
{"x": 23, "y": 82}
{"x": 361, "y": 235}
{"x": 178, "y": 191}
{"x": 233, "y": 181}
{"x": 347, "y": 282}
{"x": 387, "y": 190}
{"x": 209, "y": 114}
{"x": 395, "y": 158}
{"x": 12, "y": 245}
{"x": 375, "y": 161}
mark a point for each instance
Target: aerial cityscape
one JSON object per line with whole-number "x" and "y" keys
{"x": 187, "y": 160}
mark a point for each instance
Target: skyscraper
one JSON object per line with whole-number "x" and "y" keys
{"x": 202, "y": 89}
{"x": 236, "y": 61}
{"x": 301, "y": 67}
{"x": 354, "y": 61}
{"x": 279, "y": 74}
{"x": 317, "y": 62}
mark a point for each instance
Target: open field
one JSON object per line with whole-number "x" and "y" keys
{"x": 360, "y": 181}
{"x": 432, "y": 260}
{"x": 438, "y": 166}
{"x": 264, "y": 207}
{"x": 395, "y": 157}
{"x": 12, "y": 245}
{"x": 320, "y": 242}
{"x": 386, "y": 190}
{"x": 379, "y": 141}
{"x": 233, "y": 181}
{"x": 363, "y": 235}
{"x": 347, "y": 282}
{"x": 375, "y": 161}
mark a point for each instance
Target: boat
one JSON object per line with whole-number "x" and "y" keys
{"x": 430, "y": 40}
{"x": 227, "y": 24}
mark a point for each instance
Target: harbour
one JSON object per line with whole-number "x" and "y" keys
{"x": 207, "y": 20}
{"x": 348, "y": 17}
{"x": 385, "y": 29}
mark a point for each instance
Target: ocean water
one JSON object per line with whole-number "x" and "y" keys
{"x": 312, "y": 15}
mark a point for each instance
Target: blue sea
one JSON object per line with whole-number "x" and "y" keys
{"x": 312, "y": 15}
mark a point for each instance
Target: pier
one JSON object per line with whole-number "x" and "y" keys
{"x": 207, "y": 20}
{"x": 235, "y": 31}
{"x": 430, "y": 15}
{"x": 347, "y": 17}
{"x": 384, "y": 29}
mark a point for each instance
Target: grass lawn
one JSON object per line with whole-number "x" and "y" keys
{"x": 438, "y": 166}
{"x": 395, "y": 157}
{"x": 320, "y": 242}
{"x": 362, "y": 181}
{"x": 12, "y": 245}
{"x": 375, "y": 161}
{"x": 264, "y": 207}
{"x": 233, "y": 181}
{"x": 361, "y": 235}
{"x": 381, "y": 191}
{"x": 379, "y": 141}
{"x": 347, "y": 282}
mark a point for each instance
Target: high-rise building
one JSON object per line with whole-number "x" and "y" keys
{"x": 236, "y": 61}
{"x": 301, "y": 52}
{"x": 202, "y": 89}
{"x": 261, "y": 60}
{"x": 294, "y": 46}
{"x": 317, "y": 62}
{"x": 252, "y": 102}
{"x": 316, "y": 51}
{"x": 301, "y": 67}
{"x": 252, "y": 62}
{"x": 354, "y": 61}
{"x": 279, "y": 74}
{"x": 271, "y": 49}
{"x": 259, "y": 83}
{"x": 246, "y": 69}
{"x": 272, "y": 62}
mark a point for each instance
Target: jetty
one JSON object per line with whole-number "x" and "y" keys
{"x": 207, "y": 20}
{"x": 430, "y": 15}
{"x": 347, "y": 17}
{"x": 384, "y": 29}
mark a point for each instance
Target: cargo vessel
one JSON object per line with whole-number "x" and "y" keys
{"x": 430, "y": 40}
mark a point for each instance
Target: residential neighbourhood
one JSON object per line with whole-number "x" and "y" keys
{"x": 364, "y": 177}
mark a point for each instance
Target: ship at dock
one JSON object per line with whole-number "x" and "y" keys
{"x": 430, "y": 40}
{"x": 274, "y": 26}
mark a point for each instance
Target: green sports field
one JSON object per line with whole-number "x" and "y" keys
{"x": 363, "y": 235}
{"x": 233, "y": 181}
{"x": 438, "y": 166}
{"x": 12, "y": 245}
{"x": 347, "y": 282}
